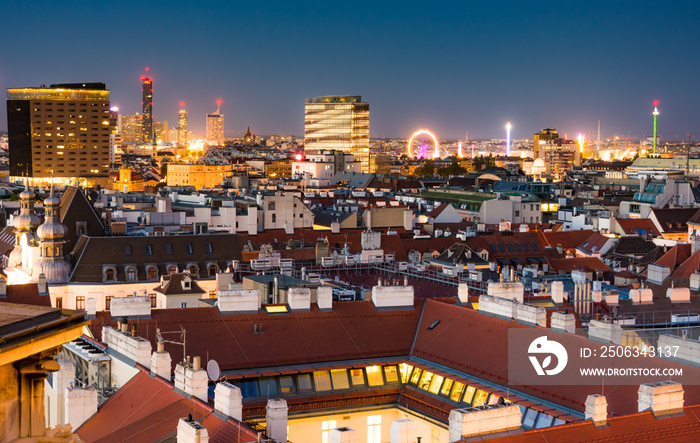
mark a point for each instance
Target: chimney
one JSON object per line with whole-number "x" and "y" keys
{"x": 463, "y": 293}
{"x": 228, "y": 400}
{"x": 403, "y": 431}
{"x": 663, "y": 398}
{"x": 342, "y": 435}
{"x": 369, "y": 219}
{"x": 191, "y": 431}
{"x": 597, "y": 409}
{"x": 393, "y": 296}
{"x": 41, "y": 283}
{"x": 125, "y": 325}
{"x": 276, "y": 289}
{"x": 3, "y": 287}
{"x": 324, "y": 298}
{"x": 408, "y": 220}
{"x": 161, "y": 363}
{"x": 560, "y": 249}
{"x": 299, "y": 299}
{"x": 482, "y": 420}
{"x": 192, "y": 381}
{"x": 276, "y": 419}
{"x": 563, "y": 322}
{"x": 558, "y": 292}
{"x": 80, "y": 404}
{"x": 604, "y": 332}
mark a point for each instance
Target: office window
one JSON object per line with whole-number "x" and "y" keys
{"x": 374, "y": 429}
{"x": 405, "y": 372}
{"x": 59, "y": 302}
{"x": 127, "y": 250}
{"x": 131, "y": 274}
{"x": 469, "y": 395}
{"x": 339, "y": 377}
{"x": 80, "y": 303}
{"x": 457, "y": 391}
{"x": 249, "y": 388}
{"x": 435, "y": 384}
{"x": 480, "y": 397}
{"x": 425, "y": 380}
{"x": 183, "y": 304}
{"x": 153, "y": 300}
{"x": 374, "y": 375}
{"x": 149, "y": 250}
{"x": 287, "y": 385}
{"x": 304, "y": 382}
{"x": 108, "y": 302}
{"x": 322, "y": 381}
{"x": 188, "y": 248}
{"x": 268, "y": 386}
{"x": 446, "y": 387}
{"x": 326, "y": 427}
{"x": 209, "y": 248}
{"x": 357, "y": 377}
{"x": 415, "y": 376}
{"x": 168, "y": 248}
{"x": 152, "y": 272}
{"x": 390, "y": 374}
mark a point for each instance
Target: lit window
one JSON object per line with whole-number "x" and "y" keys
{"x": 374, "y": 429}
{"x": 357, "y": 377}
{"x": 340, "y": 379}
{"x": 416, "y": 376}
{"x": 469, "y": 395}
{"x": 435, "y": 384}
{"x": 326, "y": 427}
{"x": 287, "y": 385}
{"x": 425, "y": 380}
{"x": 446, "y": 387}
{"x": 322, "y": 380}
{"x": 457, "y": 391}
{"x": 405, "y": 372}
{"x": 390, "y": 374}
{"x": 374, "y": 375}
{"x": 480, "y": 397}
{"x": 304, "y": 382}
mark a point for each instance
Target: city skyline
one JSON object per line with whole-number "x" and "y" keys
{"x": 447, "y": 68}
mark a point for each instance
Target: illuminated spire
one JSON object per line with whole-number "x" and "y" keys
{"x": 508, "y": 127}
{"x": 656, "y": 114}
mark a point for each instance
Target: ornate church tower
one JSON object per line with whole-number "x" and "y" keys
{"x": 52, "y": 233}
{"x": 25, "y": 224}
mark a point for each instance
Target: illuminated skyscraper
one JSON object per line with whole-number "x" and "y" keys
{"x": 182, "y": 124}
{"x": 147, "y": 102}
{"x": 215, "y": 126}
{"x": 339, "y": 122}
{"x": 63, "y": 130}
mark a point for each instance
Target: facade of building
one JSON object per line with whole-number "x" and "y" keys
{"x": 147, "y": 102}
{"x": 199, "y": 176}
{"x": 130, "y": 128}
{"x": 325, "y": 164}
{"x": 61, "y": 131}
{"x": 335, "y": 122}
{"x": 559, "y": 155}
{"x": 215, "y": 128}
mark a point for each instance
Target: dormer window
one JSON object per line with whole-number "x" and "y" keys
{"x": 186, "y": 284}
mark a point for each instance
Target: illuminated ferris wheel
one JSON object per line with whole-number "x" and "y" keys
{"x": 423, "y": 151}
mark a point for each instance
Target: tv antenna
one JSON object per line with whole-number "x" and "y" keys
{"x": 183, "y": 337}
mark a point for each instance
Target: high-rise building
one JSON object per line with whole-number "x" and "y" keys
{"x": 131, "y": 128}
{"x": 557, "y": 154}
{"x": 338, "y": 122}
{"x": 182, "y": 124}
{"x": 215, "y": 126}
{"x": 147, "y": 102}
{"x": 61, "y": 131}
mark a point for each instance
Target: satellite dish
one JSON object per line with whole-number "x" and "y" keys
{"x": 213, "y": 370}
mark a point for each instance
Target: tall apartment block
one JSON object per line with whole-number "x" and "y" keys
{"x": 338, "y": 122}
{"x": 62, "y": 131}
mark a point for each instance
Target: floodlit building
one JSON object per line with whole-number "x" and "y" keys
{"x": 338, "y": 122}
{"x": 199, "y": 176}
{"x": 61, "y": 131}
{"x": 182, "y": 125}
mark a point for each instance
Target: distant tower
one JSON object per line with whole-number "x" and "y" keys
{"x": 147, "y": 103}
{"x": 466, "y": 138}
{"x": 508, "y": 127}
{"x": 656, "y": 114}
{"x": 52, "y": 235}
{"x": 182, "y": 124}
{"x": 215, "y": 126}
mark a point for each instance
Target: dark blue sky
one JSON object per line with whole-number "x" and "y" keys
{"x": 450, "y": 67}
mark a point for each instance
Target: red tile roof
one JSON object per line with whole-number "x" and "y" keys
{"x": 688, "y": 267}
{"x": 148, "y": 409}
{"x": 567, "y": 239}
{"x": 354, "y": 330}
{"x": 630, "y": 226}
{"x": 477, "y": 345}
{"x": 27, "y": 294}
{"x": 642, "y": 426}
{"x": 674, "y": 257}
{"x": 587, "y": 264}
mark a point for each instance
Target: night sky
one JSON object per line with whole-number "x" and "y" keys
{"x": 446, "y": 66}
